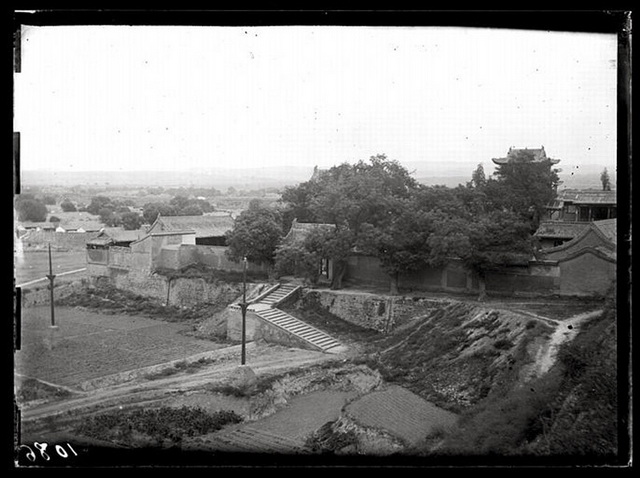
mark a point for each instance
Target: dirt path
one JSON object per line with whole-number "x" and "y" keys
{"x": 565, "y": 331}
{"x": 263, "y": 359}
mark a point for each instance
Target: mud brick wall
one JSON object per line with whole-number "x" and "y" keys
{"x": 587, "y": 275}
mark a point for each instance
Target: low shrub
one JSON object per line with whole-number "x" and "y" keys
{"x": 159, "y": 424}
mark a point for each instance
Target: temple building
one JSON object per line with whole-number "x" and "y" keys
{"x": 515, "y": 155}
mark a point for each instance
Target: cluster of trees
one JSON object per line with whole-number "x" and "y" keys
{"x": 378, "y": 208}
{"x": 178, "y": 206}
{"x": 114, "y": 212}
{"x": 30, "y": 208}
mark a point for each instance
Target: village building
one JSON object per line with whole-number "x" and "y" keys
{"x": 79, "y": 227}
{"x": 587, "y": 263}
{"x": 170, "y": 243}
{"x": 116, "y": 236}
{"x": 571, "y": 213}
{"x": 203, "y": 230}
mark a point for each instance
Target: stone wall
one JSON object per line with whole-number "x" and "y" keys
{"x": 183, "y": 291}
{"x": 382, "y": 313}
{"x": 366, "y": 310}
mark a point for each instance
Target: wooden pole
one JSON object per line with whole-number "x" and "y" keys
{"x": 51, "y": 276}
{"x": 243, "y": 307}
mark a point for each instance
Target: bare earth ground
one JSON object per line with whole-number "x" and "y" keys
{"x": 92, "y": 345}
{"x": 31, "y": 265}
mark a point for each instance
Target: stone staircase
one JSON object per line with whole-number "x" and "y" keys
{"x": 265, "y": 307}
{"x": 300, "y": 329}
{"x": 278, "y": 295}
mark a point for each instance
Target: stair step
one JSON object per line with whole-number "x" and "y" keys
{"x": 325, "y": 340}
{"x": 294, "y": 326}
{"x": 287, "y": 325}
{"x": 270, "y": 312}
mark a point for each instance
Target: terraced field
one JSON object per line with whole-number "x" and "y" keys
{"x": 283, "y": 432}
{"x": 400, "y": 412}
{"x": 93, "y": 345}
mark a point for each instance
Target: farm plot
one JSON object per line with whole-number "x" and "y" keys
{"x": 401, "y": 413}
{"x": 93, "y": 345}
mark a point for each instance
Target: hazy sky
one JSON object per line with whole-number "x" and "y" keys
{"x": 147, "y": 97}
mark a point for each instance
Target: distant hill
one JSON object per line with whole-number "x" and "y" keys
{"x": 450, "y": 173}
{"x": 221, "y": 179}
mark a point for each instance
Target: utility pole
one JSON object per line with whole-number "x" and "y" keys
{"x": 51, "y": 276}
{"x": 243, "y": 307}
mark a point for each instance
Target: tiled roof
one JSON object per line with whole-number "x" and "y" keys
{"x": 539, "y": 155}
{"x": 608, "y": 228}
{"x": 587, "y": 196}
{"x": 100, "y": 241}
{"x": 42, "y": 225}
{"x": 300, "y": 230}
{"x": 560, "y": 230}
{"x": 86, "y": 225}
{"x": 119, "y": 234}
{"x": 203, "y": 226}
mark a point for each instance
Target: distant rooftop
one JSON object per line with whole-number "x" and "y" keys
{"x": 300, "y": 230}
{"x": 119, "y": 234}
{"x": 514, "y": 155}
{"x": 587, "y": 196}
{"x": 203, "y": 226}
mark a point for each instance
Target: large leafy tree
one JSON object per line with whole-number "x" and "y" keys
{"x": 97, "y": 203}
{"x": 67, "y": 206}
{"x": 30, "y": 209}
{"x": 349, "y": 196}
{"x": 483, "y": 243}
{"x": 605, "y": 180}
{"x": 337, "y": 245}
{"x": 295, "y": 259}
{"x": 297, "y": 203}
{"x": 523, "y": 186}
{"x": 400, "y": 242}
{"x": 131, "y": 221}
{"x": 255, "y": 235}
{"x": 150, "y": 211}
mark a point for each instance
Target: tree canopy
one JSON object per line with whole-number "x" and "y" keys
{"x": 255, "y": 235}
{"x": 605, "y": 180}
{"x": 67, "y": 206}
{"x": 378, "y": 209}
{"x": 30, "y": 209}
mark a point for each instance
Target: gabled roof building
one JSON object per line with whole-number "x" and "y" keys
{"x": 209, "y": 229}
{"x": 572, "y": 211}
